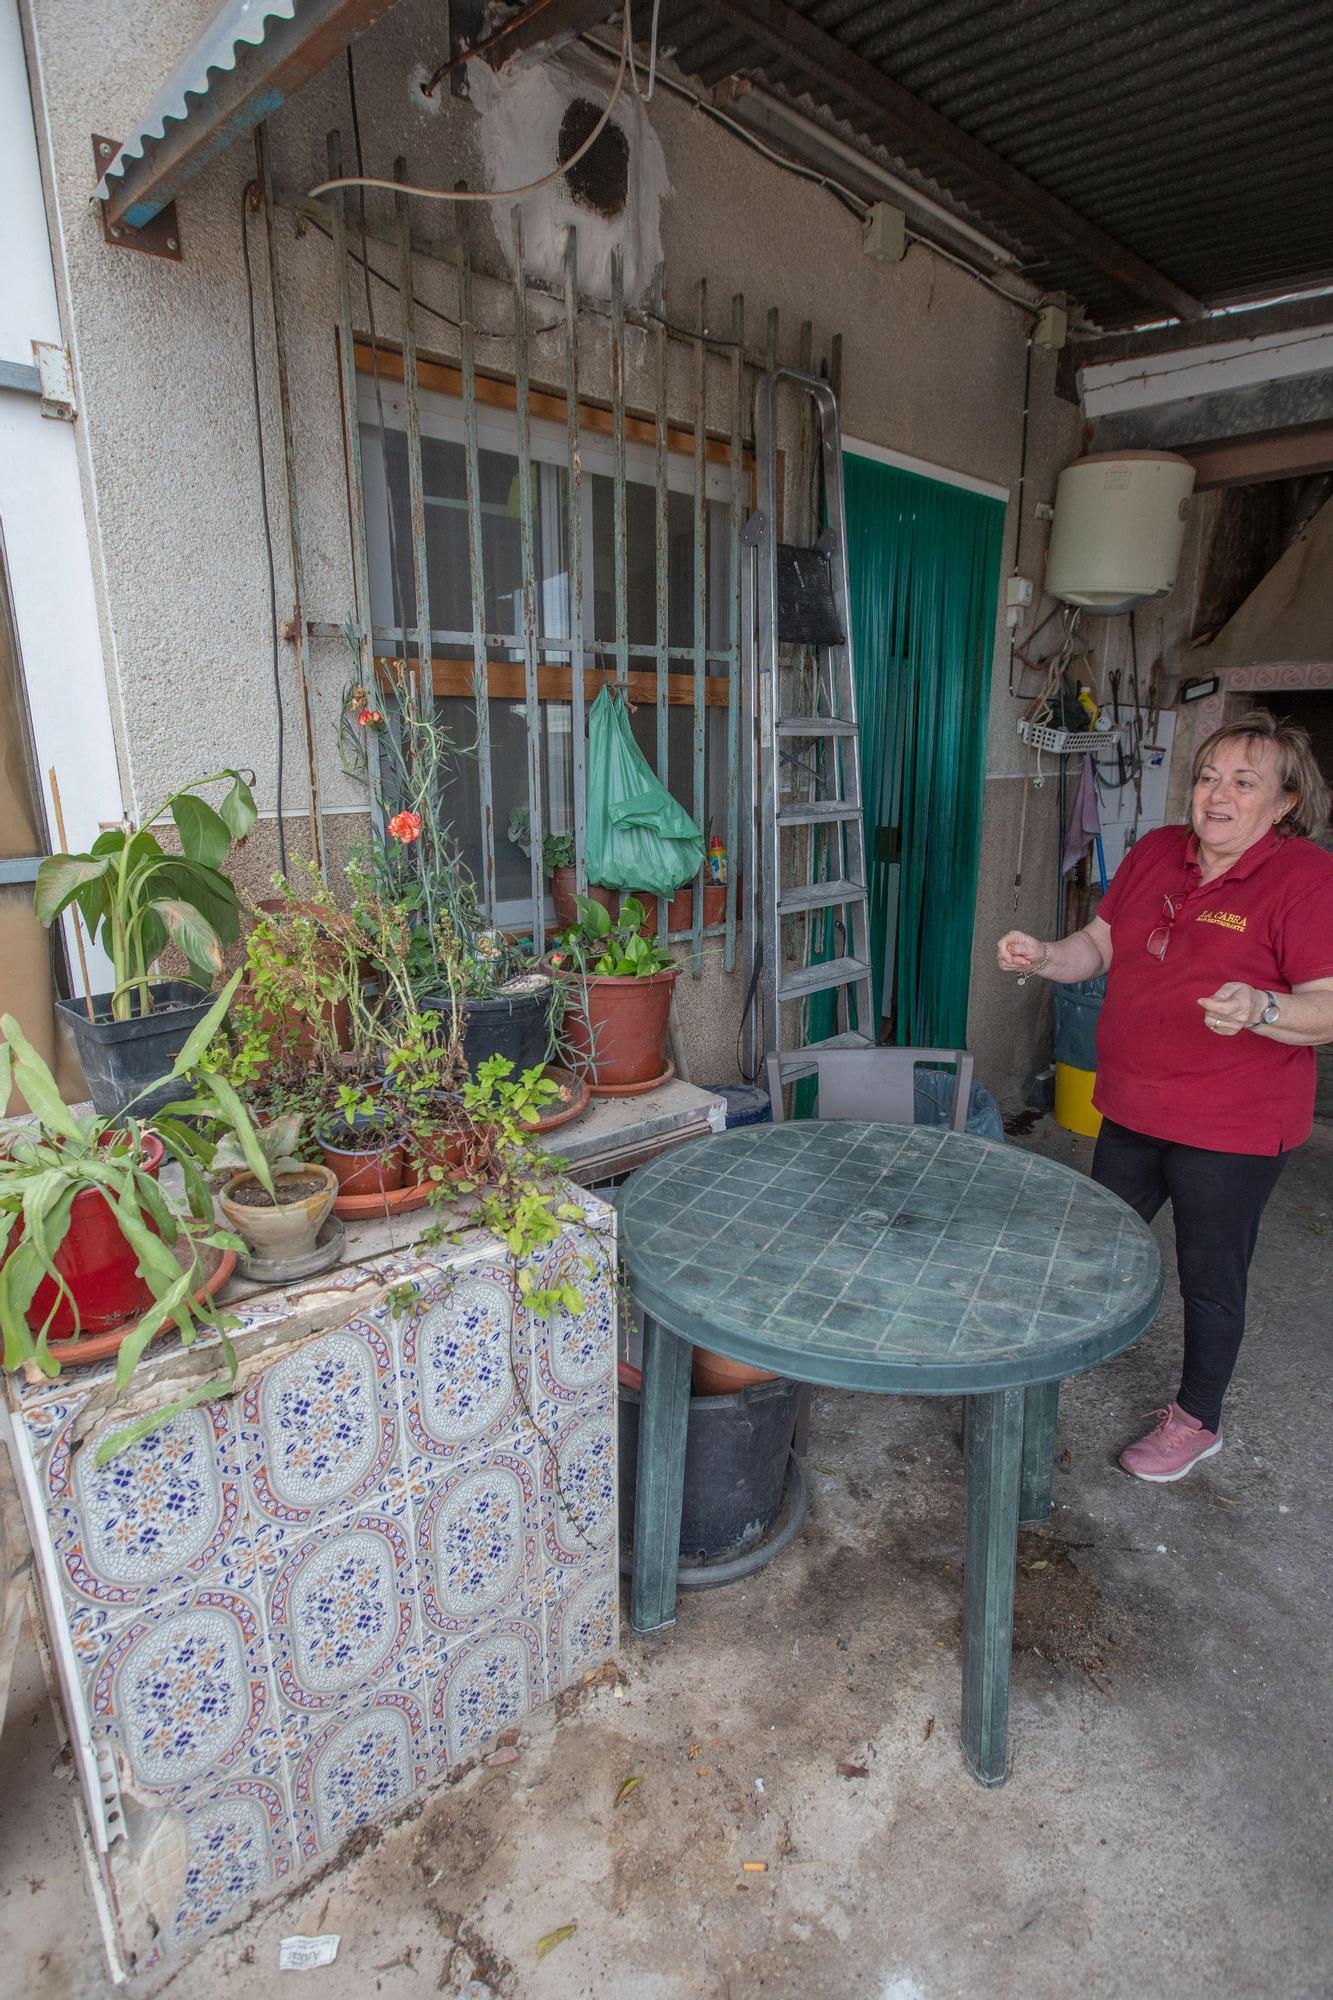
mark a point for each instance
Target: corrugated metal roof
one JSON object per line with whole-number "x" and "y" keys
{"x": 237, "y": 24}
{"x": 1197, "y": 136}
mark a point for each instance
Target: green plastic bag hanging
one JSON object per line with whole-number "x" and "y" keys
{"x": 638, "y": 837}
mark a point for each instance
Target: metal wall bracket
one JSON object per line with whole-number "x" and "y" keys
{"x": 158, "y": 238}
{"x": 57, "y": 380}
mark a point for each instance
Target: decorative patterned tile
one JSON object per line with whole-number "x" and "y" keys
{"x": 358, "y": 1768}
{"x": 160, "y": 1514}
{"x": 341, "y": 1610}
{"x": 239, "y": 1847}
{"x": 321, "y": 1426}
{"x": 477, "y": 1541}
{"x": 464, "y": 1373}
{"x": 578, "y": 1461}
{"x": 183, "y": 1690}
{"x": 582, "y": 1623}
{"x": 485, "y": 1686}
{"x": 574, "y": 1353}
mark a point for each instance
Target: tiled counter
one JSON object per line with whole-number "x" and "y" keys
{"x": 283, "y": 1615}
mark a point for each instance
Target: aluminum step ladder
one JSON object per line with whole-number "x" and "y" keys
{"x": 802, "y": 751}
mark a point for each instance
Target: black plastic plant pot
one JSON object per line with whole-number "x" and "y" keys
{"x": 119, "y": 1058}
{"x": 736, "y": 1452}
{"x": 516, "y": 1025}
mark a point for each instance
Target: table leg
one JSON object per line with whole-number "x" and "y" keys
{"x": 994, "y": 1456}
{"x": 663, "y": 1417}
{"x": 1040, "y": 1407}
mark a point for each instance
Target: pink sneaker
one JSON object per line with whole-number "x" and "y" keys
{"x": 1175, "y": 1444}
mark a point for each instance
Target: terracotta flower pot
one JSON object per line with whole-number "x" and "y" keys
{"x": 562, "y": 897}
{"x": 374, "y": 1167}
{"x": 442, "y": 1149}
{"x": 680, "y": 910}
{"x": 98, "y": 1265}
{"x": 616, "y": 1027}
{"x": 713, "y": 1375}
{"x": 289, "y": 1229}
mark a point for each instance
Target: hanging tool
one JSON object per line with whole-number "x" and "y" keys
{"x": 799, "y": 597}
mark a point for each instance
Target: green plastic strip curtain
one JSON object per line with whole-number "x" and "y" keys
{"x": 924, "y": 561}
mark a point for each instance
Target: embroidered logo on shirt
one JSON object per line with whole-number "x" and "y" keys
{"x": 1227, "y": 918}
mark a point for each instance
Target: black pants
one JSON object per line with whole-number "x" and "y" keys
{"x": 1217, "y": 1200}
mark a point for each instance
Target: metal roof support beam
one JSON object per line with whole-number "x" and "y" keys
{"x": 1284, "y": 316}
{"x": 1260, "y": 409}
{"x": 829, "y": 63}
{"x": 264, "y": 76}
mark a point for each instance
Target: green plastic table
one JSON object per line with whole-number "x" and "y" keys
{"x": 894, "y": 1258}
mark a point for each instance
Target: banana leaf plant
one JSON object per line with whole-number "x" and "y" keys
{"x": 140, "y": 896}
{"x": 46, "y": 1164}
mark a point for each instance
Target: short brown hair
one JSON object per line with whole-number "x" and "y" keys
{"x": 1298, "y": 768}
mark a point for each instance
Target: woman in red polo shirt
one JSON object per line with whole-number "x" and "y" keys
{"x": 1217, "y": 939}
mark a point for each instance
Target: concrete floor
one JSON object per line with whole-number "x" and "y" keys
{"x": 1166, "y": 1829}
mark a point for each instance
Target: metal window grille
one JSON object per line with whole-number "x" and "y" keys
{"x": 553, "y": 655}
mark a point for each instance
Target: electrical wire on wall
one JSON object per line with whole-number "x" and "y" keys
{"x": 362, "y": 180}
{"x": 264, "y": 509}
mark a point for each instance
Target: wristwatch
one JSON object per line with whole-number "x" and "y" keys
{"x": 1269, "y": 1015}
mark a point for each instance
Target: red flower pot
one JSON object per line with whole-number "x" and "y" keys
{"x": 98, "y": 1265}
{"x": 616, "y": 1027}
{"x": 562, "y": 897}
{"x": 680, "y": 910}
{"x": 377, "y": 1169}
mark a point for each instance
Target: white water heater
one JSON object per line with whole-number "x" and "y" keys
{"x": 1118, "y": 528}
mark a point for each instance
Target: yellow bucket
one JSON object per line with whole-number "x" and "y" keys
{"x": 1073, "y": 1100}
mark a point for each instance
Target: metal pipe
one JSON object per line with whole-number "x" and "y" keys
{"x": 733, "y": 627}
{"x": 301, "y": 638}
{"x": 574, "y": 487}
{"x": 700, "y": 605}
{"x": 536, "y": 818}
{"x": 355, "y": 481}
{"x": 661, "y": 502}
{"x": 476, "y": 560}
{"x": 422, "y": 693}
{"x": 618, "y": 459}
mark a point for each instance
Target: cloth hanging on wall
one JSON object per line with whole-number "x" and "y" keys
{"x": 924, "y": 562}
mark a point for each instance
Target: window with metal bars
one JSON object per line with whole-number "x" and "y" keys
{"x": 386, "y": 487}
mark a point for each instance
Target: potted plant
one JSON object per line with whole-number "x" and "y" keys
{"x": 619, "y": 1005}
{"x": 457, "y": 958}
{"x": 140, "y": 897}
{"x": 281, "y": 1220}
{"x": 558, "y": 868}
{"x": 89, "y": 1244}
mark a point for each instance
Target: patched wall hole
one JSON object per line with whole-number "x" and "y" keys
{"x": 600, "y": 180}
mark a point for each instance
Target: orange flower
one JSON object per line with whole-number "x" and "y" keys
{"x": 406, "y": 826}
{"x": 370, "y": 718}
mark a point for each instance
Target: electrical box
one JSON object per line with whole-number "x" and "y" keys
{"x": 884, "y": 233}
{"x": 1018, "y": 592}
{"x": 1052, "y": 328}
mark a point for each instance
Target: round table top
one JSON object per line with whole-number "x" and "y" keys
{"x": 899, "y": 1258}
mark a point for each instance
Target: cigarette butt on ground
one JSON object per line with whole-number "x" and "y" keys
{"x": 755, "y": 1867}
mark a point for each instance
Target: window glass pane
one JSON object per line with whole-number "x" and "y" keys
{"x": 393, "y": 601}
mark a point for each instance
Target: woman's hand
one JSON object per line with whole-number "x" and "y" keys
{"x": 1232, "y": 1009}
{"x": 1017, "y": 952}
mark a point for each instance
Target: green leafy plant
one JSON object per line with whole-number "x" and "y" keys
{"x": 557, "y": 848}
{"x": 140, "y": 897}
{"x": 513, "y": 1188}
{"x": 600, "y": 944}
{"x": 46, "y": 1164}
{"x": 279, "y": 1141}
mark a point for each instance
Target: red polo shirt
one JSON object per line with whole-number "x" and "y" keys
{"x": 1267, "y": 922}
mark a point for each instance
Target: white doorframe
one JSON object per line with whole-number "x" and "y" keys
{"x": 42, "y": 520}
{"x": 885, "y": 455}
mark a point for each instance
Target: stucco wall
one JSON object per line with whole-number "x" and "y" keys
{"x": 932, "y": 365}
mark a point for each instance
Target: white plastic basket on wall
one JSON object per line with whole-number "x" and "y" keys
{"x": 1067, "y": 742}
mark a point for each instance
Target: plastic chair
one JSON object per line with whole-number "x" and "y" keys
{"x": 877, "y": 1084}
